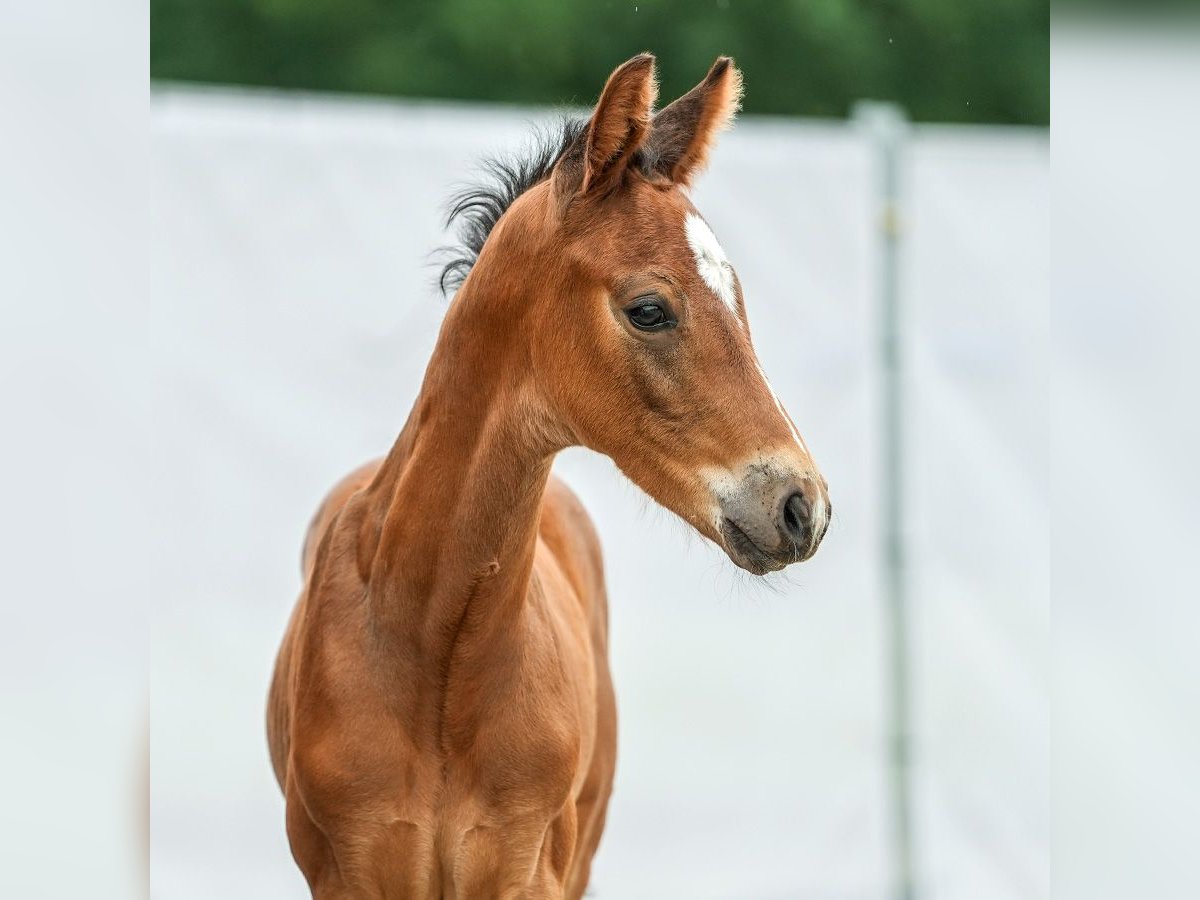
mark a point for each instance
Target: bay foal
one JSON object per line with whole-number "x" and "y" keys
{"x": 441, "y": 719}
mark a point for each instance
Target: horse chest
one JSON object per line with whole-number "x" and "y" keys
{"x": 472, "y": 783}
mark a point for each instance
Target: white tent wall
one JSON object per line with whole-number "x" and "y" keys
{"x": 294, "y": 311}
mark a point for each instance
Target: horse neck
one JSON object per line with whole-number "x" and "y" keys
{"x": 457, "y": 501}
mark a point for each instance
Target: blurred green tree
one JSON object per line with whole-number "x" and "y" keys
{"x": 944, "y": 60}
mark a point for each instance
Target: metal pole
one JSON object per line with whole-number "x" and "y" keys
{"x": 886, "y": 125}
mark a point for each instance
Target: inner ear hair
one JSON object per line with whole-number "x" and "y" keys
{"x": 682, "y": 133}
{"x": 618, "y": 127}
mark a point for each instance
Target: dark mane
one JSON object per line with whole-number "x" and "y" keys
{"x": 476, "y": 209}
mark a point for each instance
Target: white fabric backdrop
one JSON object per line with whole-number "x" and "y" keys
{"x": 294, "y": 314}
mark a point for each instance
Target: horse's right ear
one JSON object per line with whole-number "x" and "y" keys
{"x": 619, "y": 125}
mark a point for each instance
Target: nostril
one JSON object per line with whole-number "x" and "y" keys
{"x": 795, "y": 516}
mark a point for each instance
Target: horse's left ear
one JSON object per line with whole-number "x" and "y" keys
{"x": 684, "y": 131}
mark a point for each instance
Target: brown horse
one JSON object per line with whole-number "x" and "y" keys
{"x": 442, "y": 720}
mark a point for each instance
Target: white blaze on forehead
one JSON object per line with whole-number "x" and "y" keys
{"x": 711, "y": 262}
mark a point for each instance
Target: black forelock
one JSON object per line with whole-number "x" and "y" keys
{"x": 475, "y": 210}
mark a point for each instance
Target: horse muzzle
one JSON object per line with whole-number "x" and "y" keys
{"x": 770, "y": 519}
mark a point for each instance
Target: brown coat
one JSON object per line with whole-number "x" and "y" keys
{"x": 441, "y": 719}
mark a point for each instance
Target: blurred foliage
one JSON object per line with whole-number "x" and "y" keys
{"x": 944, "y": 60}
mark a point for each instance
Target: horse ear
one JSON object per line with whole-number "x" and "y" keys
{"x": 684, "y": 131}
{"x": 616, "y": 130}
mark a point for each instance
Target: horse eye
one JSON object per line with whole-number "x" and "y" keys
{"x": 648, "y": 316}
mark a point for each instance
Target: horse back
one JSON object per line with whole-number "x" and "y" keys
{"x": 567, "y": 531}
